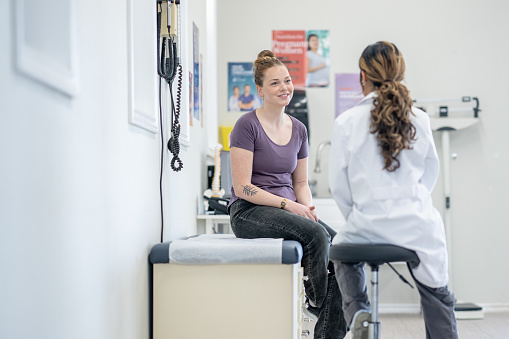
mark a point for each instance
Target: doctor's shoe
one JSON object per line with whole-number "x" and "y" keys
{"x": 360, "y": 324}
{"x": 310, "y": 311}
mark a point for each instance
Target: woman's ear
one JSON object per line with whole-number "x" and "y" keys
{"x": 259, "y": 90}
{"x": 364, "y": 77}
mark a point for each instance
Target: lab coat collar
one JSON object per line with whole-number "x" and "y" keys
{"x": 368, "y": 99}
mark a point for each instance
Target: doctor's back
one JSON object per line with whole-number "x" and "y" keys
{"x": 381, "y": 206}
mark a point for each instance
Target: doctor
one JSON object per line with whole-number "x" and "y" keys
{"x": 383, "y": 167}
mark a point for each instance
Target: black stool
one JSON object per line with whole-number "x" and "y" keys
{"x": 374, "y": 255}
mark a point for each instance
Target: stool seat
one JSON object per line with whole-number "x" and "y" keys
{"x": 372, "y": 254}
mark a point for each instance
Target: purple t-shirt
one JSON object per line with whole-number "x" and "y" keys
{"x": 273, "y": 164}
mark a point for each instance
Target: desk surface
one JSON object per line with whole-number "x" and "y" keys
{"x": 212, "y": 222}
{"x": 213, "y": 216}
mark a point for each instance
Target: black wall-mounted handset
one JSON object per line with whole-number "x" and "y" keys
{"x": 167, "y": 67}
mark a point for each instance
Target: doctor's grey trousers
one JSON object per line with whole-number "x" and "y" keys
{"x": 437, "y": 303}
{"x": 256, "y": 221}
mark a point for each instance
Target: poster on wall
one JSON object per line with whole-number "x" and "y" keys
{"x": 191, "y": 99}
{"x": 242, "y": 93}
{"x": 306, "y": 54}
{"x": 201, "y": 90}
{"x": 290, "y": 48}
{"x": 196, "y": 75}
{"x": 348, "y": 91}
{"x": 317, "y": 58}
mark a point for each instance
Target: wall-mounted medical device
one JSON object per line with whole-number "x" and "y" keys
{"x": 448, "y": 115}
{"x": 168, "y": 65}
{"x": 451, "y": 113}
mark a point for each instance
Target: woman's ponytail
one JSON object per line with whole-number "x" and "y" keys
{"x": 390, "y": 121}
{"x": 390, "y": 117}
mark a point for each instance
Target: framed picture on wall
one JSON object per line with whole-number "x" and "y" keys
{"x": 186, "y": 67}
{"x": 201, "y": 90}
{"x": 196, "y": 73}
{"x": 142, "y": 86}
{"x": 191, "y": 106}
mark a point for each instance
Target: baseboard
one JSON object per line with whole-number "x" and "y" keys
{"x": 495, "y": 307}
{"x": 399, "y": 308}
{"x": 416, "y": 308}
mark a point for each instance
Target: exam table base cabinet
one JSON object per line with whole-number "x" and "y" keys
{"x": 228, "y": 301}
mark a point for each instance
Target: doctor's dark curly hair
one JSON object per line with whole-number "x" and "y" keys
{"x": 390, "y": 119}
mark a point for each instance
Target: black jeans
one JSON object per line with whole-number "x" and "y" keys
{"x": 256, "y": 221}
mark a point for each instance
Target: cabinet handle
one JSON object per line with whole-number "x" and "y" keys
{"x": 305, "y": 278}
{"x": 305, "y": 333}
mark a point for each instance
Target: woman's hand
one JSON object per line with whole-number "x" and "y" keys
{"x": 304, "y": 211}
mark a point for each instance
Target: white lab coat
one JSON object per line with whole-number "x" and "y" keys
{"x": 388, "y": 207}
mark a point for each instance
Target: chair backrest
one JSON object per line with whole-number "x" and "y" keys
{"x": 373, "y": 254}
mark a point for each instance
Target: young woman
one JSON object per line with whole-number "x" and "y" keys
{"x": 270, "y": 194}
{"x": 383, "y": 167}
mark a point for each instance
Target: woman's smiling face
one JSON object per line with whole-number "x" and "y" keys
{"x": 277, "y": 86}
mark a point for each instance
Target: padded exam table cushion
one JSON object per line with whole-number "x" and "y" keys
{"x": 217, "y": 249}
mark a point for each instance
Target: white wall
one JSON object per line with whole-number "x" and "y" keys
{"x": 451, "y": 49}
{"x": 79, "y": 185}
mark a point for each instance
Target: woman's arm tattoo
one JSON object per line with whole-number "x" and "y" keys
{"x": 249, "y": 190}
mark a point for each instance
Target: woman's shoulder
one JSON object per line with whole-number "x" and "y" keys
{"x": 247, "y": 118}
{"x": 296, "y": 122}
{"x": 419, "y": 113}
{"x": 298, "y": 125}
{"x": 246, "y": 122}
{"x": 421, "y": 117}
{"x": 354, "y": 115}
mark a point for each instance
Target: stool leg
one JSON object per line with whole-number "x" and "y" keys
{"x": 375, "y": 324}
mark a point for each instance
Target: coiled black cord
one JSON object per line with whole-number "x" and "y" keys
{"x": 167, "y": 69}
{"x": 173, "y": 143}
{"x": 179, "y": 89}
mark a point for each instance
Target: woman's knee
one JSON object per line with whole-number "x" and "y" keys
{"x": 321, "y": 235}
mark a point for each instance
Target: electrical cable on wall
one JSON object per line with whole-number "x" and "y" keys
{"x": 162, "y": 164}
